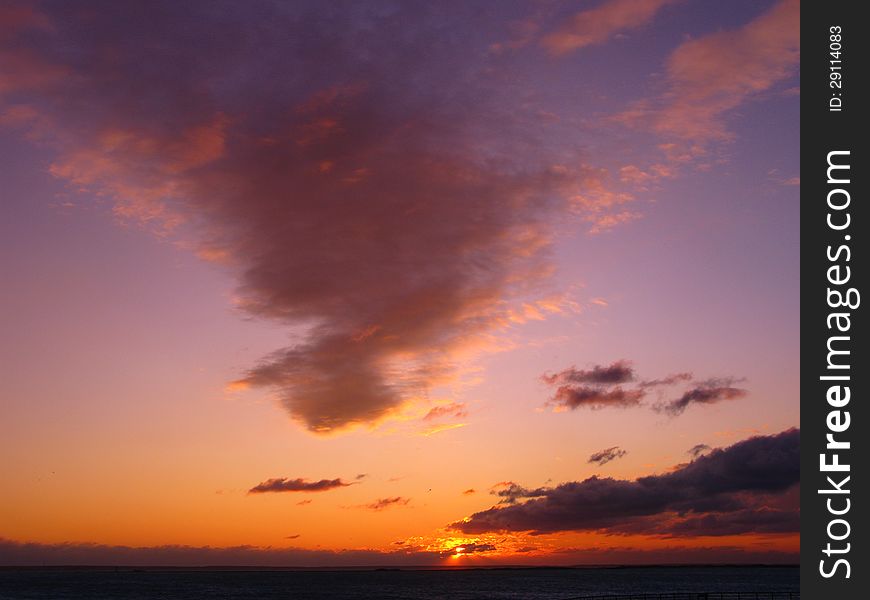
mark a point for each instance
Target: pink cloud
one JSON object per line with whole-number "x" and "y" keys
{"x": 15, "y": 17}
{"x": 714, "y": 74}
{"x": 599, "y": 24}
{"x": 454, "y": 409}
{"x": 24, "y": 70}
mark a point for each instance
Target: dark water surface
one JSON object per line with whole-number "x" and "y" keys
{"x": 533, "y": 584}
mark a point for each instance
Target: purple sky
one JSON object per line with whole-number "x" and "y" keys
{"x": 304, "y": 242}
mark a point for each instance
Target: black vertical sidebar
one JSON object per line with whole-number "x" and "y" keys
{"x": 834, "y": 224}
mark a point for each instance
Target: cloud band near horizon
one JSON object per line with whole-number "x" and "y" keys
{"x": 744, "y": 488}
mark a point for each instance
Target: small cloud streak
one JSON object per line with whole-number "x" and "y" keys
{"x": 436, "y": 429}
{"x": 707, "y": 392}
{"x": 595, "y": 398}
{"x": 297, "y": 485}
{"x": 385, "y": 503}
{"x": 620, "y": 371}
{"x": 666, "y": 381}
{"x": 603, "y": 457}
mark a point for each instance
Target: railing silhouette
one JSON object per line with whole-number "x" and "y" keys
{"x": 696, "y": 596}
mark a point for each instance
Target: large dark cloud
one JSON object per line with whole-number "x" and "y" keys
{"x": 297, "y": 485}
{"x": 605, "y": 456}
{"x": 758, "y": 512}
{"x": 731, "y": 487}
{"x": 756, "y": 520}
{"x": 366, "y": 170}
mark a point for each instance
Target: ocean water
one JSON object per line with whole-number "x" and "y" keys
{"x": 477, "y": 584}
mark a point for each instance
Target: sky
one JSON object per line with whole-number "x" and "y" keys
{"x": 399, "y": 283}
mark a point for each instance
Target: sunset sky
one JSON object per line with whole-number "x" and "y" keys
{"x": 399, "y": 283}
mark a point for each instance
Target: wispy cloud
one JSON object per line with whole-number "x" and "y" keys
{"x": 598, "y": 25}
{"x": 712, "y": 75}
{"x": 456, "y": 410}
{"x": 667, "y": 381}
{"x": 434, "y": 429}
{"x": 706, "y": 392}
{"x": 384, "y": 503}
